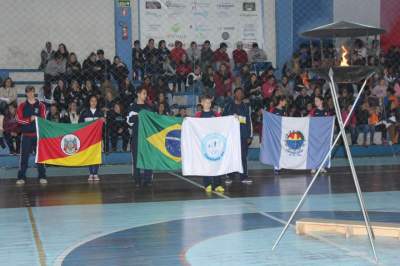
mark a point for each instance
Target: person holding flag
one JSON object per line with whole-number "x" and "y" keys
{"x": 279, "y": 109}
{"x": 90, "y": 114}
{"x": 209, "y": 182}
{"x": 133, "y": 121}
{"x": 319, "y": 111}
{"x": 242, "y": 112}
{"x": 27, "y": 113}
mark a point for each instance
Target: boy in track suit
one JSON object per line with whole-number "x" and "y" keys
{"x": 210, "y": 182}
{"x": 27, "y": 112}
{"x": 145, "y": 178}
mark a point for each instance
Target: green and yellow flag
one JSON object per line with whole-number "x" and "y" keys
{"x": 68, "y": 144}
{"x": 159, "y": 138}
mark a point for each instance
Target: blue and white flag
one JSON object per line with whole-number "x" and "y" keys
{"x": 211, "y": 146}
{"x": 295, "y": 142}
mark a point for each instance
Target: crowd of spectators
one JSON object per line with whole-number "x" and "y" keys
{"x": 203, "y": 71}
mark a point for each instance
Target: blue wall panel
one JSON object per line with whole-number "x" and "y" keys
{"x": 308, "y": 14}
{"x": 284, "y": 26}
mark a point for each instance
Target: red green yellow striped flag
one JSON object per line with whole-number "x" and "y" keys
{"x": 69, "y": 144}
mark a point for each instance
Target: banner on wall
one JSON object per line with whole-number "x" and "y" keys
{"x": 219, "y": 21}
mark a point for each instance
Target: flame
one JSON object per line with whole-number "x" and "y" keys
{"x": 344, "y": 62}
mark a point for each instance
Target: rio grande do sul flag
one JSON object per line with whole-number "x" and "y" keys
{"x": 68, "y": 144}
{"x": 295, "y": 142}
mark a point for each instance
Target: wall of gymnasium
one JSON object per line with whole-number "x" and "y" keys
{"x": 83, "y": 26}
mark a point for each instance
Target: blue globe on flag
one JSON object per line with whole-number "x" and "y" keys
{"x": 173, "y": 143}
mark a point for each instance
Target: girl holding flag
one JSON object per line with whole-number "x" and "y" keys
{"x": 318, "y": 111}
{"x": 90, "y": 114}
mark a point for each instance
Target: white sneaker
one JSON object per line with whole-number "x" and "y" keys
{"x": 96, "y": 178}
{"x": 90, "y": 178}
{"x": 43, "y": 181}
{"x": 323, "y": 170}
{"x": 313, "y": 171}
{"x": 20, "y": 182}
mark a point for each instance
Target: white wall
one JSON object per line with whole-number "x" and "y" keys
{"x": 268, "y": 25}
{"x": 360, "y": 11}
{"x": 270, "y": 30}
{"x": 83, "y": 25}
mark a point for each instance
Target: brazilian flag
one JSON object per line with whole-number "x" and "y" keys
{"x": 159, "y": 138}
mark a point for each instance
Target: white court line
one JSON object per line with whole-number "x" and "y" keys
{"x": 251, "y": 206}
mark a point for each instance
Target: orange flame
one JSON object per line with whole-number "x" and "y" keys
{"x": 344, "y": 62}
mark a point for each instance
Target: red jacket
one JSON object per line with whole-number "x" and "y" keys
{"x": 177, "y": 54}
{"x": 24, "y": 112}
{"x": 10, "y": 124}
{"x": 220, "y": 56}
{"x": 222, "y": 89}
{"x": 198, "y": 114}
{"x": 183, "y": 69}
{"x": 240, "y": 57}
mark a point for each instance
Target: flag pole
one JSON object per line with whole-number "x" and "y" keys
{"x": 322, "y": 164}
{"x": 352, "y": 168}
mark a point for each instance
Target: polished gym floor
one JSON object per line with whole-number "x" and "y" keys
{"x": 174, "y": 222}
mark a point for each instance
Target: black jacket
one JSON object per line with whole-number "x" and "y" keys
{"x": 240, "y": 110}
{"x": 87, "y": 115}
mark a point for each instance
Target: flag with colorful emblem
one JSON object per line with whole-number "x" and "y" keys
{"x": 68, "y": 144}
{"x": 295, "y": 142}
{"x": 159, "y": 142}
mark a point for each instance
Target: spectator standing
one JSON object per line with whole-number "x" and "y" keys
{"x": 103, "y": 65}
{"x": 177, "y": 53}
{"x": 73, "y": 68}
{"x": 221, "y": 56}
{"x": 240, "y": 57}
{"x": 46, "y": 55}
{"x": 208, "y": 81}
{"x": 89, "y": 68}
{"x": 126, "y": 92}
{"x": 193, "y": 54}
{"x": 256, "y": 54}
{"x": 60, "y": 95}
{"x": 363, "y": 123}
{"x": 206, "y": 55}
{"x": 151, "y": 58}
{"x": 183, "y": 69}
{"x": 223, "y": 84}
{"x": 351, "y": 125}
{"x": 302, "y": 101}
{"x": 55, "y": 68}
{"x": 119, "y": 70}
{"x": 63, "y": 51}
{"x": 138, "y": 61}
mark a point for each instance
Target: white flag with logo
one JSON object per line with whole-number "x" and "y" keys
{"x": 211, "y": 146}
